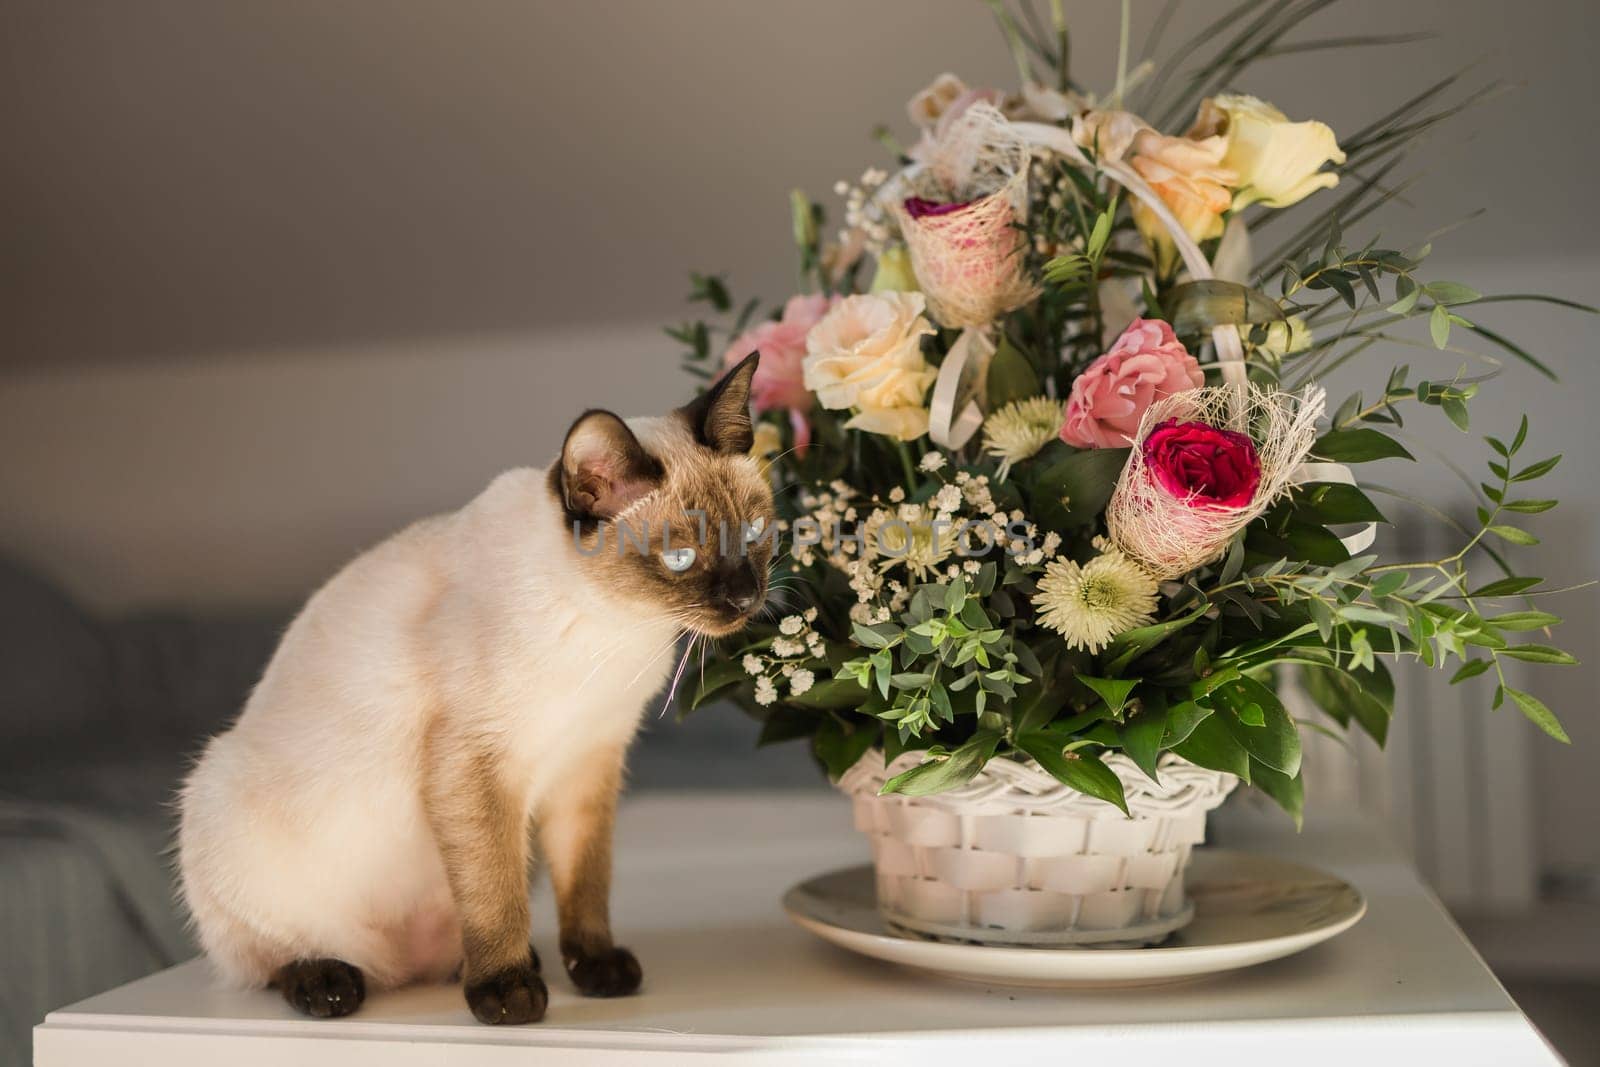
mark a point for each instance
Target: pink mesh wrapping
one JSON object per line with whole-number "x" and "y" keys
{"x": 1168, "y": 534}
{"x": 969, "y": 259}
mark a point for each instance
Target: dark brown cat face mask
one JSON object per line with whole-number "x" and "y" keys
{"x": 673, "y": 510}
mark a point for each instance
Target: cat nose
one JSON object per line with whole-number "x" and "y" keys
{"x": 741, "y": 589}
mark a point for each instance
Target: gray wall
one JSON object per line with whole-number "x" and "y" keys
{"x": 193, "y": 178}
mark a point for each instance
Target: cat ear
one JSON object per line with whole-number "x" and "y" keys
{"x": 603, "y": 466}
{"x": 720, "y": 416}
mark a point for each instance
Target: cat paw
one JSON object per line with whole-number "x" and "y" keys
{"x": 611, "y": 972}
{"x": 515, "y": 996}
{"x": 322, "y": 989}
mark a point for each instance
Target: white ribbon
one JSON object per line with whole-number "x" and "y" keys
{"x": 953, "y": 413}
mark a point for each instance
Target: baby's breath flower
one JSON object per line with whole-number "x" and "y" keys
{"x": 791, "y": 625}
{"x": 947, "y": 498}
{"x": 1091, "y": 603}
{"x": 933, "y": 461}
{"x": 766, "y": 691}
{"x": 810, "y": 614}
{"x": 896, "y": 495}
{"x": 800, "y": 681}
{"x": 787, "y": 646}
{"x": 751, "y": 664}
{"x": 1020, "y": 429}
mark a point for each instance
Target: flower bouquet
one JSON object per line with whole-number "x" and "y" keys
{"x": 1063, "y": 506}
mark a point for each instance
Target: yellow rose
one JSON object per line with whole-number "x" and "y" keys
{"x": 894, "y": 273}
{"x": 1278, "y": 162}
{"x": 1189, "y": 176}
{"x": 866, "y": 355}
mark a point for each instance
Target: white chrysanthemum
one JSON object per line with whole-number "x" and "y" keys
{"x": 1089, "y": 604}
{"x": 1020, "y": 429}
{"x": 933, "y": 461}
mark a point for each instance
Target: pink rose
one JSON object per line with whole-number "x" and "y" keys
{"x": 1202, "y": 465}
{"x": 1109, "y": 398}
{"x": 779, "y": 381}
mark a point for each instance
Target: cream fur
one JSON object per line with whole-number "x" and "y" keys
{"x": 303, "y": 832}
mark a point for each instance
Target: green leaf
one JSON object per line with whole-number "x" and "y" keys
{"x": 1362, "y": 445}
{"x": 1131, "y": 644}
{"x": 1452, "y": 293}
{"x": 1181, "y": 721}
{"x": 1011, "y": 376}
{"x": 1529, "y": 507}
{"x": 868, "y": 637}
{"x": 1289, "y": 792}
{"x": 1524, "y": 620}
{"x": 1142, "y": 734}
{"x": 1536, "y": 470}
{"x": 1211, "y": 745}
{"x": 1257, "y": 720}
{"x": 839, "y": 750}
{"x": 1389, "y": 583}
{"x": 717, "y": 677}
{"x": 1439, "y": 325}
{"x": 1074, "y": 491}
{"x": 1539, "y": 654}
{"x": 1470, "y": 669}
{"x": 938, "y": 775}
{"x": 1084, "y": 773}
{"x": 1114, "y": 691}
{"x": 1538, "y": 714}
{"x": 1506, "y": 587}
{"x": 1514, "y": 535}
{"x": 831, "y": 694}
{"x": 1365, "y": 694}
{"x": 1332, "y": 503}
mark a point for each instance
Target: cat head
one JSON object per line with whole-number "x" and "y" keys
{"x": 673, "y": 511}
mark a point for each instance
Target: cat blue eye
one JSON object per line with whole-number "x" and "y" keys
{"x": 753, "y": 532}
{"x": 678, "y": 560}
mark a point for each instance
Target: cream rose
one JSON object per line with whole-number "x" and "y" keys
{"x": 1278, "y": 162}
{"x": 1189, "y": 175}
{"x": 866, "y": 355}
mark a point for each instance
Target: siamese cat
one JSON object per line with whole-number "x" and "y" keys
{"x": 464, "y": 694}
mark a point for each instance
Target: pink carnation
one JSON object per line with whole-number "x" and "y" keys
{"x": 1109, "y": 398}
{"x": 780, "y": 381}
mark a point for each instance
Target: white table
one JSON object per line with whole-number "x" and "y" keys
{"x": 728, "y": 979}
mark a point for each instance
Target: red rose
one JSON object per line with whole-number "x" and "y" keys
{"x": 1208, "y": 467}
{"x": 919, "y": 208}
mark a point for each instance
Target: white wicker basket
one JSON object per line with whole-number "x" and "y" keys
{"x": 1014, "y": 857}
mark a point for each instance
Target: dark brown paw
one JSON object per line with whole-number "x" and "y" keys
{"x": 611, "y": 972}
{"x": 322, "y": 989}
{"x": 512, "y": 997}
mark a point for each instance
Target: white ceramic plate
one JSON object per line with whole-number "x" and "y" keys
{"x": 1248, "y": 909}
